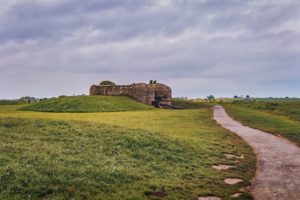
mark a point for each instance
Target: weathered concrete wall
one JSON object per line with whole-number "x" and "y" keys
{"x": 145, "y": 93}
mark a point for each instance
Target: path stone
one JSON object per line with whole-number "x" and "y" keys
{"x": 209, "y": 198}
{"x": 236, "y": 195}
{"x": 222, "y": 167}
{"x": 231, "y": 156}
{"x": 232, "y": 181}
{"x": 278, "y": 160}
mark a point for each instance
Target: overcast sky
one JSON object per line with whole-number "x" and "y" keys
{"x": 198, "y": 47}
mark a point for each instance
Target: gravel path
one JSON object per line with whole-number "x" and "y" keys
{"x": 278, "y": 160}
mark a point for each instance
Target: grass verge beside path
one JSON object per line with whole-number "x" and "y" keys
{"x": 117, "y": 155}
{"x": 266, "y": 121}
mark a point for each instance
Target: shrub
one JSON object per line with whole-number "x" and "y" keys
{"x": 107, "y": 82}
{"x": 271, "y": 105}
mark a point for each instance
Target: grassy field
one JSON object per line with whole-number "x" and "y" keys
{"x": 290, "y": 109}
{"x": 87, "y": 104}
{"x": 9, "y": 102}
{"x": 279, "y": 118}
{"x": 253, "y": 99}
{"x": 150, "y": 154}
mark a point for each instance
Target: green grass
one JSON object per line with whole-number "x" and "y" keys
{"x": 117, "y": 155}
{"x": 87, "y": 104}
{"x": 279, "y": 118}
{"x": 288, "y": 108}
{"x": 188, "y": 104}
{"x": 254, "y": 99}
{"x": 9, "y": 102}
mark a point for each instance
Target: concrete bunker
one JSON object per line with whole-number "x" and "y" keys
{"x": 156, "y": 94}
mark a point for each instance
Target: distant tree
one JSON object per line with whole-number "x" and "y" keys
{"x": 27, "y": 99}
{"x": 247, "y": 96}
{"x": 210, "y": 97}
{"x": 235, "y": 96}
{"x": 107, "y": 82}
{"x": 154, "y": 81}
{"x": 151, "y": 81}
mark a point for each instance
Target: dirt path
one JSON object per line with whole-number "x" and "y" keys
{"x": 278, "y": 170}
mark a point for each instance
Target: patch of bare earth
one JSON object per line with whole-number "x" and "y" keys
{"x": 278, "y": 160}
{"x": 156, "y": 193}
{"x": 236, "y": 195}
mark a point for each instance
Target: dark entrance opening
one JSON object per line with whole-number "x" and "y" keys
{"x": 159, "y": 97}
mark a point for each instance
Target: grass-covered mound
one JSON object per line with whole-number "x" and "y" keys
{"x": 87, "y": 104}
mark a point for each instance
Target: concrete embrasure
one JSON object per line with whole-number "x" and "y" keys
{"x": 278, "y": 160}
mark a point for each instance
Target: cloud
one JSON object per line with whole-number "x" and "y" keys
{"x": 198, "y": 47}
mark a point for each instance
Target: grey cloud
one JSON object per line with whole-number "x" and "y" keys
{"x": 198, "y": 47}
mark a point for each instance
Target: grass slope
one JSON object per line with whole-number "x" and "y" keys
{"x": 87, "y": 104}
{"x": 283, "y": 120}
{"x": 188, "y": 104}
{"x": 117, "y": 155}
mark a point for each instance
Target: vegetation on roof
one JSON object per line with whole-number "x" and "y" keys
{"x": 107, "y": 82}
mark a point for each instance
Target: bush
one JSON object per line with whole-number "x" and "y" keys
{"x": 271, "y": 105}
{"x": 107, "y": 82}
